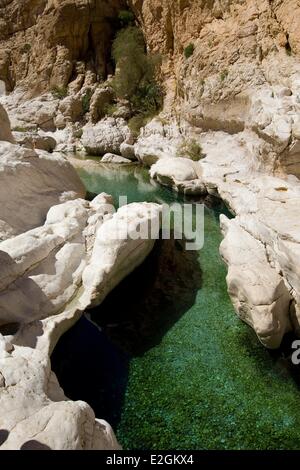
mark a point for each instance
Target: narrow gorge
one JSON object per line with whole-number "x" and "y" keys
{"x": 111, "y": 341}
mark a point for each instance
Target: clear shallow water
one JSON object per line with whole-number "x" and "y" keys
{"x": 173, "y": 367}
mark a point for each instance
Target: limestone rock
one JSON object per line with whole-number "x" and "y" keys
{"x": 60, "y": 121}
{"x": 149, "y": 149}
{"x": 181, "y": 174}
{"x": 2, "y": 88}
{"x": 105, "y": 137}
{"x": 35, "y": 141}
{"x": 128, "y": 151}
{"x": 5, "y": 131}
{"x": 100, "y": 99}
{"x": 71, "y": 260}
{"x": 250, "y": 32}
{"x": 112, "y": 158}
{"x": 27, "y": 115}
{"x": 42, "y": 41}
{"x": 180, "y": 169}
{"x": 31, "y": 179}
{"x": 118, "y": 248}
{"x": 5, "y": 72}
{"x": 71, "y": 108}
{"x": 70, "y": 263}
{"x": 296, "y": 127}
{"x": 270, "y": 118}
{"x": 258, "y": 292}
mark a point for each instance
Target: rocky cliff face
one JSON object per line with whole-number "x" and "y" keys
{"x": 244, "y": 64}
{"x": 44, "y": 39}
{"x": 235, "y": 37}
{"x": 242, "y": 73}
{"x": 45, "y": 43}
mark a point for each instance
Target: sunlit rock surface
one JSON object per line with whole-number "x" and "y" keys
{"x": 59, "y": 255}
{"x": 106, "y": 136}
{"x": 30, "y": 183}
{"x": 72, "y": 262}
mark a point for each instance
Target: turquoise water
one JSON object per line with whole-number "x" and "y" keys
{"x": 130, "y": 180}
{"x": 197, "y": 377}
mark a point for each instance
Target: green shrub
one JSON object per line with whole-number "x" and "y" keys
{"x": 86, "y": 101}
{"x": 78, "y": 133}
{"x": 147, "y": 99}
{"x": 20, "y": 129}
{"x": 110, "y": 109}
{"x": 223, "y": 75}
{"x": 137, "y": 122}
{"x": 59, "y": 92}
{"x": 189, "y": 50}
{"x": 126, "y": 18}
{"x": 190, "y": 149}
{"x": 26, "y": 48}
{"x": 135, "y": 78}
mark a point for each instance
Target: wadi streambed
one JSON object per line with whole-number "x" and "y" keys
{"x": 170, "y": 365}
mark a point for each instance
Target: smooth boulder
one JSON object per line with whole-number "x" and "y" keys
{"x": 30, "y": 183}
{"x": 112, "y": 158}
{"x": 105, "y": 137}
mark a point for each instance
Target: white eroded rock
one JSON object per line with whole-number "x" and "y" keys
{"x": 101, "y": 98}
{"x": 35, "y": 141}
{"x": 5, "y": 132}
{"x": 36, "y": 414}
{"x": 257, "y": 291}
{"x": 71, "y": 108}
{"x": 150, "y": 149}
{"x": 119, "y": 248}
{"x": 182, "y": 174}
{"x": 106, "y": 136}
{"x": 112, "y": 158}
{"x": 127, "y": 151}
{"x": 67, "y": 265}
{"x": 30, "y": 183}
{"x": 31, "y": 114}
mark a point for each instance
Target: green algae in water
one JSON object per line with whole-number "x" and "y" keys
{"x": 209, "y": 383}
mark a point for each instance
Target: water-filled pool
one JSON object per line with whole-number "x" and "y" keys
{"x": 173, "y": 367}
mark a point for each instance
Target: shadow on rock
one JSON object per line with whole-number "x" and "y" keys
{"x": 3, "y": 436}
{"x": 90, "y": 368}
{"x": 22, "y": 298}
{"x": 34, "y": 445}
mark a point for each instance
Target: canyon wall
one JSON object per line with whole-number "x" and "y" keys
{"x": 238, "y": 38}
{"x": 44, "y": 43}
{"x": 243, "y": 68}
{"x": 242, "y": 72}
